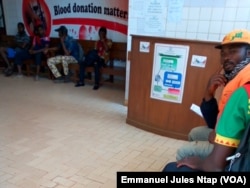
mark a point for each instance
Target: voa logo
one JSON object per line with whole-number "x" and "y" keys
{"x": 232, "y": 179}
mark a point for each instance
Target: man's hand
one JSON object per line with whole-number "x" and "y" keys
{"x": 214, "y": 82}
{"x": 31, "y": 51}
{"x": 62, "y": 38}
{"x": 192, "y": 162}
{"x": 46, "y": 50}
{"x": 211, "y": 137}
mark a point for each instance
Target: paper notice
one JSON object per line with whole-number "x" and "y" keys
{"x": 195, "y": 108}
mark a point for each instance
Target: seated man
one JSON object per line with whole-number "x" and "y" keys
{"x": 200, "y": 138}
{"x": 96, "y": 58}
{"x": 39, "y": 48}
{"x": 232, "y": 117}
{"x": 69, "y": 52}
{"x": 22, "y": 41}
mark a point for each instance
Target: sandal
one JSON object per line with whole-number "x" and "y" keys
{"x": 79, "y": 84}
{"x": 9, "y": 72}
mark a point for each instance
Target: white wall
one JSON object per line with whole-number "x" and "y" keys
{"x": 12, "y": 15}
{"x": 200, "y": 20}
{"x": 206, "y": 20}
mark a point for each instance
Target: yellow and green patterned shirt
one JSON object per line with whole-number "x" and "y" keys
{"x": 234, "y": 119}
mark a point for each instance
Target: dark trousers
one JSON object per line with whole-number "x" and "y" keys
{"x": 20, "y": 56}
{"x": 91, "y": 60}
{"x": 24, "y": 55}
{"x": 38, "y": 57}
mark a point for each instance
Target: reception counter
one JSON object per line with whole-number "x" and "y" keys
{"x": 169, "y": 115}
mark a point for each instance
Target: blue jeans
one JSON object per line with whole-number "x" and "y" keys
{"x": 91, "y": 59}
{"x": 38, "y": 58}
{"x": 20, "y": 56}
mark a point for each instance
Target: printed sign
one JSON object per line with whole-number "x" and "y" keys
{"x": 169, "y": 70}
{"x": 82, "y": 18}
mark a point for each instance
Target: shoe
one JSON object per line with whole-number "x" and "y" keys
{"x": 79, "y": 84}
{"x": 9, "y": 72}
{"x": 36, "y": 78}
{"x": 67, "y": 79}
{"x": 59, "y": 80}
{"x": 5, "y": 70}
{"x": 19, "y": 76}
{"x": 96, "y": 87}
{"x": 104, "y": 65}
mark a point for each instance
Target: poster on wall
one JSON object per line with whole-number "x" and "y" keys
{"x": 82, "y": 18}
{"x": 169, "y": 71}
{"x": 153, "y": 17}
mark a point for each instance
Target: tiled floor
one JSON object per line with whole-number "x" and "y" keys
{"x": 58, "y": 136}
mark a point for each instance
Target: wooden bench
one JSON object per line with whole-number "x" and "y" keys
{"x": 9, "y": 41}
{"x": 112, "y": 72}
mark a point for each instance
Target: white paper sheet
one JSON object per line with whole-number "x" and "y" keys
{"x": 195, "y": 108}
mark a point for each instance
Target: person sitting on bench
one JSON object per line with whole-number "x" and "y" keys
{"x": 69, "y": 52}
{"x": 22, "y": 41}
{"x": 98, "y": 57}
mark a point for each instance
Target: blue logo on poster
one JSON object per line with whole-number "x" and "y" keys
{"x": 172, "y": 79}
